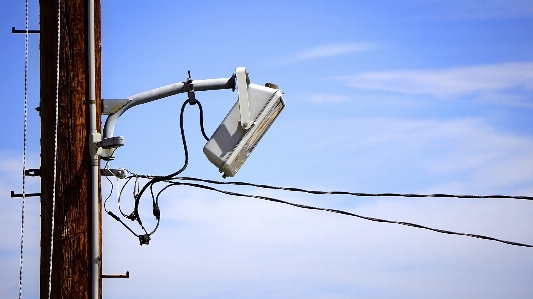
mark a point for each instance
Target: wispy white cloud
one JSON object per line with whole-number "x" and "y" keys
{"x": 329, "y": 50}
{"x": 238, "y": 248}
{"x": 449, "y": 83}
{"x": 466, "y": 155}
{"x": 327, "y": 98}
{"x": 491, "y": 160}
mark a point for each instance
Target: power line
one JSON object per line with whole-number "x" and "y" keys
{"x": 359, "y": 194}
{"x": 442, "y": 231}
{"x": 410, "y": 224}
{"x": 172, "y": 180}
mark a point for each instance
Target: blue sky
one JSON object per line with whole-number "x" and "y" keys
{"x": 382, "y": 96}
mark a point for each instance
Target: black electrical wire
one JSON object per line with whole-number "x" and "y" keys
{"x": 155, "y": 179}
{"x": 174, "y": 182}
{"x": 135, "y": 214}
{"x": 171, "y": 180}
{"x": 202, "y": 120}
{"x": 355, "y": 193}
{"x": 112, "y": 187}
{"x": 120, "y": 194}
{"x": 442, "y": 231}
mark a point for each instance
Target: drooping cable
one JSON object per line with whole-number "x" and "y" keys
{"x": 110, "y": 213}
{"x": 166, "y": 177}
{"x": 55, "y": 146}
{"x": 156, "y": 179}
{"x": 359, "y": 194}
{"x": 26, "y": 42}
{"x": 137, "y": 194}
{"x": 175, "y": 181}
{"x": 350, "y": 214}
{"x": 172, "y": 180}
{"x": 119, "y": 194}
{"x": 202, "y": 120}
{"x": 135, "y": 214}
{"x": 106, "y": 167}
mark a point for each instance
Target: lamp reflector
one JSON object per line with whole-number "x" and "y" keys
{"x": 231, "y": 145}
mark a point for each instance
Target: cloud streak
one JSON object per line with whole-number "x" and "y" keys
{"x": 329, "y": 50}
{"x": 450, "y": 156}
{"x": 327, "y": 98}
{"x": 239, "y": 248}
{"x": 449, "y": 83}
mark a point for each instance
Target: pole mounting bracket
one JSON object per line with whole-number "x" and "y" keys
{"x": 244, "y": 105}
{"x": 127, "y": 275}
{"x": 32, "y": 172}
{"x": 13, "y": 194}
{"x": 20, "y": 31}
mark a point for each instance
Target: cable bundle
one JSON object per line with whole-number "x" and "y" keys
{"x": 173, "y": 180}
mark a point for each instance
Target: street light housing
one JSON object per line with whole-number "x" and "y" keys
{"x": 234, "y": 140}
{"x": 239, "y": 133}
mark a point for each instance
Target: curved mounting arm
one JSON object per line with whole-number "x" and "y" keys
{"x": 163, "y": 92}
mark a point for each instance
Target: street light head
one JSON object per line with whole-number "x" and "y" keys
{"x": 255, "y": 110}
{"x": 234, "y": 140}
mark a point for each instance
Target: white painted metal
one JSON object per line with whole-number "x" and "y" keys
{"x": 163, "y": 92}
{"x": 94, "y": 136}
{"x": 244, "y": 106}
{"x": 231, "y": 145}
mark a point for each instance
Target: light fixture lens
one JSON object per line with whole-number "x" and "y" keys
{"x": 230, "y": 145}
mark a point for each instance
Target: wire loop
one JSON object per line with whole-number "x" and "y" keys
{"x": 138, "y": 192}
{"x": 172, "y": 180}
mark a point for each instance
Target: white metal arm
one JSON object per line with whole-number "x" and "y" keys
{"x": 163, "y": 92}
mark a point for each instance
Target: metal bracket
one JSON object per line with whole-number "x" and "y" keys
{"x": 13, "y": 194}
{"x": 32, "y": 172}
{"x": 108, "y": 147}
{"x": 118, "y": 173}
{"x": 110, "y": 106}
{"x": 94, "y": 145}
{"x": 127, "y": 275}
{"x": 112, "y": 142}
{"x": 244, "y": 105}
{"x": 189, "y": 86}
{"x": 13, "y": 30}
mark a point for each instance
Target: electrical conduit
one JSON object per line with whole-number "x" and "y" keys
{"x": 95, "y": 169}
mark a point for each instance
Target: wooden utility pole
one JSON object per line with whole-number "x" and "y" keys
{"x": 71, "y": 259}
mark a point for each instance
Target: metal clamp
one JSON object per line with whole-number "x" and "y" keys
{"x": 244, "y": 105}
{"x": 112, "y": 142}
{"x": 118, "y": 173}
{"x": 189, "y": 86}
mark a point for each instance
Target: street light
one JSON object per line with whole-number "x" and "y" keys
{"x": 255, "y": 110}
{"x": 248, "y": 120}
